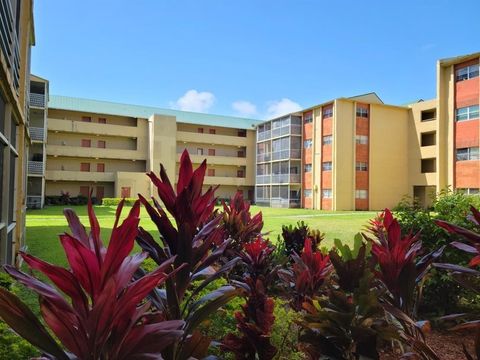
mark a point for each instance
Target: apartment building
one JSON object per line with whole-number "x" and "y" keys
{"x": 108, "y": 147}
{"x": 16, "y": 38}
{"x": 358, "y": 153}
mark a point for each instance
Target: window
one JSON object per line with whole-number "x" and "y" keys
{"x": 428, "y": 139}
{"x": 308, "y": 168}
{"x": 468, "y": 154}
{"x": 362, "y": 112}
{"x": 467, "y": 72}
{"x": 199, "y": 151}
{"x": 467, "y": 113}
{"x": 86, "y": 119}
{"x": 241, "y": 153}
{"x": 101, "y": 144}
{"x": 327, "y": 140}
{"x": 308, "y": 118}
{"x": 100, "y": 167}
{"x": 361, "y": 166}
{"x": 240, "y": 173}
{"x": 361, "y": 194}
{"x": 307, "y": 193}
{"x": 428, "y": 165}
{"x": 211, "y": 152}
{"x": 85, "y": 191}
{"x": 328, "y": 112}
{"x": 212, "y": 131}
{"x": 125, "y": 192}
{"x": 307, "y": 144}
{"x": 210, "y": 172}
{"x": 428, "y": 115}
{"x": 361, "y": 139}
{"x": 84, "y": 166}
{"x": 327, "y": 193}
{"x": 100, "y": 192}
{"x": 102, "y": 121}
{"x": 200, "y": 130}
{"x": 242, "y": 133}
{"x": 327, "y": 166}
{"x": 86, "y": 143}
{"x": 470, "y": 191}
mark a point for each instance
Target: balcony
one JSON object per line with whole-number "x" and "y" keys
{"x": 37, "y": 134}
{"x": 286, "y": 179}
{"x": 62, "y": 175}
{"x": 284, "y": 203}
{"x": 293, "y": 129}
{"x": 37, "y": 100}
{"x": 202, "y": 138}
{"x": 264, "y": 135}
{"x": 286, "y": 154}
{"x": 89, "y": 152}
{"x": 217, "y": 160}
{"x": 34, "y": 201}
{"x": 81, "y": 127}
{"x": 35, "y": 167}
{"x": 263, "y": 179}
{"x": 264, "y": 157}
{"x": 9, "y": 42}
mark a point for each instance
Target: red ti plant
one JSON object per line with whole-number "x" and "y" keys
{"x": 238, "y": 223}
{"x": 195, "y": 239}
{"x": 467, "y": 277}
{"x": 307, "y": 275}
{"x": 256, "y": 320}
{"x": 396, "y": 256}
{"x": 94, "y": 309}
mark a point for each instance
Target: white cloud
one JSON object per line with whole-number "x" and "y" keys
{"x": 244, "y": 108}
{"x": 281, "y": 107}
{"x": 194, "y": 100}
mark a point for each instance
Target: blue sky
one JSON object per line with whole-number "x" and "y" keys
{"x": 255, "y": 58}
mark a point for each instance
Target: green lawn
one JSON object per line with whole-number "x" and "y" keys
{"x": 43, "y": 226}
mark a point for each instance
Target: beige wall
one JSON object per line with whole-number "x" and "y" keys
{"x": 73, "y": 164}
{"x": 138, "y": 182}
{"x": 77, "y": 116}
{"x": 163, "y": 144}
{"x": 388, "y": 170}
{"x": 343, "y": 180}
{"x": 73, "y": 187}
{"x": 111, "y": 142}
{"x": 206, "y": 129}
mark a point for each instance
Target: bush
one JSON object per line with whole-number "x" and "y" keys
{"x": 67, "y": 200}
{"x": 441, "y": 294}
{"x": 14, "y": 347}
{"x": 116, "y": 201}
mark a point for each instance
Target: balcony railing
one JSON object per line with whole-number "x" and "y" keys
{"x": 37, "y": 100}
{"x": 286, "y": 154}
{"x": 264, "y": 135}
{"x": 285, "y": 178}
{"x": 264, "y": 157}
{"x": 263, "y": 179}
{"x": 34, "y": 202}
{"x": 37, "y": 133}
{"x": 293, "y": 129}
{"x": 35, "y": 167}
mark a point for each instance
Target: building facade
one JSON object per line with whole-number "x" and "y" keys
{"x": 108, "y": 147}
{"x": 361, "y": 154}
{"x": 16, "y": 39}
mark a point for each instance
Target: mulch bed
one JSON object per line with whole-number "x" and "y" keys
{"x": 447, "y": 345}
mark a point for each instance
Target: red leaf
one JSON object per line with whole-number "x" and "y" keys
{"x": 185, "y": 172}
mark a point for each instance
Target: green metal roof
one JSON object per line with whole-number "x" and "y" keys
{"x": 144, "y": 112}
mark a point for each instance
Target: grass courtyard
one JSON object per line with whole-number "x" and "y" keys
{"x": 44, "y": 225}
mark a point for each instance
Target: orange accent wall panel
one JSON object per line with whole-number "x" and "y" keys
{"x": 467, "y": 174}
{"x": 361, "y": 152}
{"x": 327, "y": 126}
{"x": 327, "y": 153}
{"x": 326, "y": 180}
{"x": 307, "y": 131}
{"x": 307, "y": 203}
{"x": 466, "y": 92}
{"x": 361, "y": 126}
{"x": 361, "y": 180}
{"x": 326, "y": 204}
{"x": 307, "y": 156}
{"x": 307, "y": 180}
{"x": 467, "y": 133}
{"x": 361, "y": 204}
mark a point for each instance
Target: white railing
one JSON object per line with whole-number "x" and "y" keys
{"x": 37, "y": 100}
{"x": 264, "y": 135}
{"x": 264, "y": 157}
{"x": 35, "y": 167}
{"x": 37, "y": 133}
{"x": 34, "y": 202}
{"x": 285, "y": 178}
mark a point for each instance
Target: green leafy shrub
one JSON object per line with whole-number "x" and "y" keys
{"x": 13, "y": 347}
{"x": 441, "y": 294}
{"x": 116, "y": 201}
